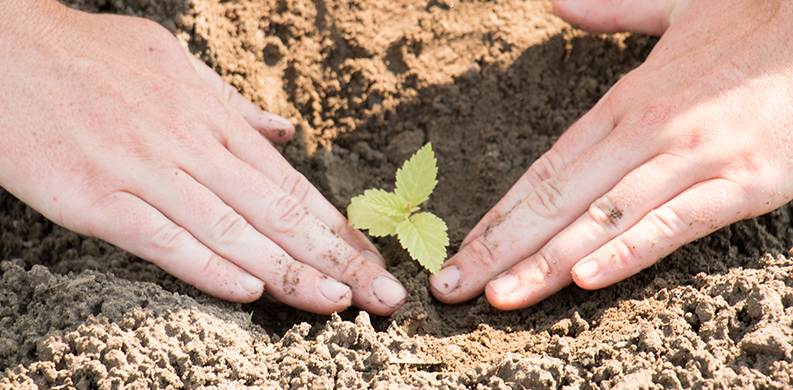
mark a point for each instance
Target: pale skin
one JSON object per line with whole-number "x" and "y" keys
{"x": 111, "y": 129}
{"x": 697, "y": 137}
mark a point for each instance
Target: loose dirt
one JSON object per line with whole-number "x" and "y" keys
{"x": 491, "y": 84}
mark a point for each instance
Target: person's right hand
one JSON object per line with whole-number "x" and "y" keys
{"x": 112, "y": 130}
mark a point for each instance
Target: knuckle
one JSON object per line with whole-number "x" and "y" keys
{"x": 210, "y": 265}
{"x": 624, "y": 91}
{"x": 667, "y": 223}
{"x": 229, "y": 228}
{"x": 182, "y": 131}
{"x": 625, "y": 255}
{"x": 342, "y": 229}
{"x": 158, "y": 31}
{"x": 286, "y": 214}
{"x": 297, "y": 186}
{"x": 210, "y": 100}
{"x": 546, "y": 200}
{"x": 647, "y": 115}
{"x": 648, "y": 118}
{"x": 479, "y": 250}
{"x": 545, "y": 263}
{"x": 155, "y": 40}
{"x": 544, "y": 168}
{"x": 109, "y": 204}
{"x": 655, "y": 113}
{"x": 231, "y": 94}
{"x": 748, "y": 163}
{"x": 104, "y": 187}
{"x": 215, "y": 110}
{"x": 605, "y": 213}
{"x": 168, "y": 238}
{"x": 349, "y": 268}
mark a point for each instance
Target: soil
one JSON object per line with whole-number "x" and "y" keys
{"x": 491, "y": 84}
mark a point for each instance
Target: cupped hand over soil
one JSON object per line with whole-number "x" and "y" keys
{"x": 696, "y": 138}
{"x": 112, "y": 130}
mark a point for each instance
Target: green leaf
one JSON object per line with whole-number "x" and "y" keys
{"x": 416, "y": 179}
{"x": 385, "y": 213}
{"x": 372, "y": 211}
{"x": 387, "y": 203}
{"x": 424, "y": 236}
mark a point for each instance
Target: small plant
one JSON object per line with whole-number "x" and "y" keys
{"x": 395, "y": 213}
{"x": 249, "y": 319}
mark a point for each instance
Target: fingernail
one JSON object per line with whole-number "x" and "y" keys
{"x": 332, "y": 289}
{"x": 389, "y": 291}
{"x": 504, "y": 285}
{"x": 277, "y": 120}
{"x": 250, "y": 283}
{"x": 446, "y": 280}
{"x": 374, "y": 257}
{"x": 586, "y": 271}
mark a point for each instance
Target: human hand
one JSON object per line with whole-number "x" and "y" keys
{"x": 697, "y": 137}
{"x": 112, "y": 130}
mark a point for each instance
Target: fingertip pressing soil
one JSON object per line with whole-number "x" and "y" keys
{"x": 492, "y": 84}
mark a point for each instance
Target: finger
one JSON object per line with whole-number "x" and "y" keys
{"x": 130, "y": 223}
{"x": 550, "y": 207}
{"x": 225, "y": 232}
{"x": 592, "y": 128}
{"x": 256, "y": 152}
{"x": 282, "y": 218}
{"x": 275, "y": 128}
{"x": 267, "y": 160}
{"x": 697, "y": 212}
{"x": 547, "y": 271}
{"x": 608, "y": 16}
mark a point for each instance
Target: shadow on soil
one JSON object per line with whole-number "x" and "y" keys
{"x": 487, "y": 127}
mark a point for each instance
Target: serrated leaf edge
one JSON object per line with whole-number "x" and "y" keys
{"x": 405, "y": 174}
{"x": 420, "y": 252}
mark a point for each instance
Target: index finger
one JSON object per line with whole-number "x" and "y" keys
{"x": 535, "y": 218}
{"x": 263, "y": 156}
{"x": 266, "y": 159}
{"x": 586, "y": 132}
{"x": 282, "y": 204}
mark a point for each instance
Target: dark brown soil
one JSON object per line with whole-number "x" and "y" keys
{"x": 491, "y": 84}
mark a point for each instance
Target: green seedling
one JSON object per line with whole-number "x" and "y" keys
{"x": 249, "y": 319}
{"x": 396, "y": 213}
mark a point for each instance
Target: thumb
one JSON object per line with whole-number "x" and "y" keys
{"x": 610, "y": 16}
{"x": 275, "y": 128}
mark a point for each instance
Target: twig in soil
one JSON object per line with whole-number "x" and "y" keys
{"x": 74, "y": 283}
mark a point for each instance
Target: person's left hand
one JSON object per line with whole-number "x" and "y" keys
{"x": 696, "y": 138}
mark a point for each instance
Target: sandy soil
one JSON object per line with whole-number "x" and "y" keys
{"x": 491, "y": 84}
